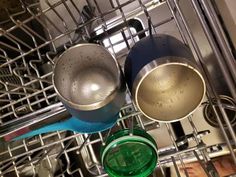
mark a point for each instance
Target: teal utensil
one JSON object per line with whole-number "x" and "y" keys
{"x": 72, "y": 124}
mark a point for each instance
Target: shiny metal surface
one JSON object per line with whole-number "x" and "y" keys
{"x": 210, "y": 68}
{"x": 220, "y": 35}
{"x": 229, "y": 76}
{"x": 87, "y": 78}
{"x": 33, "y": 95}
{"x": 168, "y": 89}
{"x": 165, "y": 81}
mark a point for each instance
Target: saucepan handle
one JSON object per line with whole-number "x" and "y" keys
{"x": 72, "y": 124}
{"x": 46, "y": 129}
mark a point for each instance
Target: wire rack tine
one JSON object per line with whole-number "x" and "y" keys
{"x": 220, "y": 36}
{"x": 226, "y": 73}
{"x": 216, "y": 50}
{"x": 176, "y": 9}
{"x": 42, "y": 95}
{"x": 176, "y": 166}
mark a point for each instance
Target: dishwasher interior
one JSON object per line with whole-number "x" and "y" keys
{"x": 34, "y": 32}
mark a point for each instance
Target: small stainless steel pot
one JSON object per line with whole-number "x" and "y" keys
{"x": 163, "y": 78}
{"x": 88, "y": 81}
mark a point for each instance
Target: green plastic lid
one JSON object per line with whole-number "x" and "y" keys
{"x": 129, "y": 155}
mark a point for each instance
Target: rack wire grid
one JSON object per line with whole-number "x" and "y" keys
{"x": 33, "y": 32}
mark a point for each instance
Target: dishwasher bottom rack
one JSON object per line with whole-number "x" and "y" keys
{"x": 68, "y": 153}
{"x": 34, "y": 32}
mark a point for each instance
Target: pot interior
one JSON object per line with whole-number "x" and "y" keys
{"x": 170, "y": 92}
{"x": 86, "y": 74}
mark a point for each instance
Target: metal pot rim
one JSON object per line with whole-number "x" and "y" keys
{"x": 160, "y": 62}
{"x": 95, "y": 105}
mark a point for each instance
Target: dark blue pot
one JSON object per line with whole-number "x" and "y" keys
{"x": 154, "y": 70}
{"x": 149, "y": 49}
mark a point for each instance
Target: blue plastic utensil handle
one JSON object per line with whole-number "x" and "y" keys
{"x": 72, "y": 124}
{"x": 46, "y": 129}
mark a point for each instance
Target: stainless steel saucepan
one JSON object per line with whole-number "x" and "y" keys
{"x": 166, "y": 84}
{"x": 88, "y": 81}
